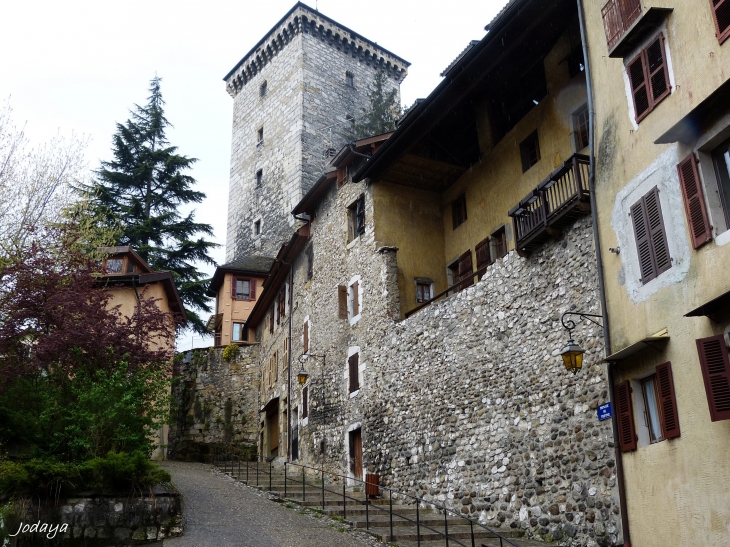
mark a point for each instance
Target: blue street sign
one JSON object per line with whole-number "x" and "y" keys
{"x": 604, "y": 412}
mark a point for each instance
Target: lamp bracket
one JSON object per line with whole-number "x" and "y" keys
{"x": 569, "y": 324}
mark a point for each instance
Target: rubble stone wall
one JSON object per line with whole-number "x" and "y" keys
{"x": 474, "y": 408}
{"x": 217, "y": 402}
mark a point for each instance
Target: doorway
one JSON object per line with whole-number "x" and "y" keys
{"x": 355, "y": 437}
{"x": 272, "y": 421}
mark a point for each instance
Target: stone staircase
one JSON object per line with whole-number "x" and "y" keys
{"x": 375, "y": 516}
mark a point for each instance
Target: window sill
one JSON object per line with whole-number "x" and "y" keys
{"x": 354, "y": 320}
{"x": 646, "y": 24}
{"x": 352, "y": 243}
{"x": 305, "y": 422}
{"x": 354, "y": 393}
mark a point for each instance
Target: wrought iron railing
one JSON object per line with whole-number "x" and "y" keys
{"x": 326, "y": 482}
{"x": 556, "y": 200}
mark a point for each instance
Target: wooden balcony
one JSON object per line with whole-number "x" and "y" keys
{"x": 556, "y": 202}
{"x": 618, "y": 16}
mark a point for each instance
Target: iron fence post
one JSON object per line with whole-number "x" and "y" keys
{"x": 322, "y": 471}
{"x": 285, "y": 479}
{"x": 238, "y": 477}
{"x": 247, "y": 483}
{"x": 367, "y": 513}
{"x": 271, "y": 465}
{"x": 471, "y": 528}
{"x": 304, "y": 490}
{"x": 344, "y": 500}
{"x": 257, "y": 472}
{"x": 418, "y": 524}
{"x": 391, "y": 515}
{"x": 446, "y": 526}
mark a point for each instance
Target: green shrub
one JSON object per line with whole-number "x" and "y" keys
{"x": 39, "y": 477}
{"x": 231, "y": 352}
{"x": 119, "y": 471}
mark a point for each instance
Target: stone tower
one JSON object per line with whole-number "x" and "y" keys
{"x": 294, "y": 96}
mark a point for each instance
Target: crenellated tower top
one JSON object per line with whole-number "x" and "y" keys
{"x": 303, "y": 19}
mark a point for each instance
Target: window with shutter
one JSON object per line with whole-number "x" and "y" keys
{"x": 360, "y": 216}
{"x": 271, "y": 320}
{"x": 252, "y": 289}
{"x": 618, "y": 16}
{"x": 353, "y": 364}
{"x": 651, "y": 238}
{"x": 721, "y": 14}
{"x": 342, "y": 302}
{"x": 667, "y": 401}
{"x": 310, "y": 262}
{"x": 649, "y": 78}
{"x": 694, "y": 202}
{"x": 500, "y": 243}
{"x": 482, "y": 251}
{"x": 715, "y": 366}
{"x": 305, "y": 402}
{"x": 625, "y": 417}
{"x": 241, "y": 288}
{"x": 465, "y": 271}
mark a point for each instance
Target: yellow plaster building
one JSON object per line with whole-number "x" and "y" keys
{"x": 660, "y": 74}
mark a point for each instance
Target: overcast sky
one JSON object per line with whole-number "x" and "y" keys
{"x": 80, "y": 65}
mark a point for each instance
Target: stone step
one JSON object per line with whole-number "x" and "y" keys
{"x": 404, "y": 534}
{"x": 382, "y": 520}
{"x": 486, "y": 542}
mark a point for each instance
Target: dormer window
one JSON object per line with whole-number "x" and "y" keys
{"x": 113, "y": 265}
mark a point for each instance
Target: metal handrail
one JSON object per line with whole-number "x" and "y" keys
{"x": 391, "y": 491}
{"x": 456, "y": 286}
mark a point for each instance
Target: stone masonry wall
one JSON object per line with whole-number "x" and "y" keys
{"x": 217, "y": 403}
{"x": 100, "y": 520}
{"x": 474, "y": 408}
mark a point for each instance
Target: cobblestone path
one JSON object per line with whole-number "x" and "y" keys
{"x": 221, "y": 513}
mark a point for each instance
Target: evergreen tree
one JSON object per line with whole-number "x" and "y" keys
{"x": 383, "y": 112}
{"x": 138, "y": 194}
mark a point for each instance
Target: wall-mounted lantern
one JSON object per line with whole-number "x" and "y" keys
{"x": 572, "y": 353}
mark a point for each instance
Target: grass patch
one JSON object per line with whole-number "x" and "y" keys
{"x": 338, "y": 518}
{"x": 289, "y": 505}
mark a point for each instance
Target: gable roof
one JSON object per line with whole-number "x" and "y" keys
{"x": 252, "y": 265}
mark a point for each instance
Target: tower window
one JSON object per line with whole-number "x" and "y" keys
{"x": 262, "y": 89}
{"x": 257, "y": 228}
{"x": 260, "y": 135}
{"x": 350, "y": 78}
{"x": 259, "y": 177}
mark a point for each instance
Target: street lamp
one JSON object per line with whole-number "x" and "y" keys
{"x": 572, "y": 353}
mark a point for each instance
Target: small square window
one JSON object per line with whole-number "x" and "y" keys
{"x": 350, "y": 78}
{"x": 242, "y": 289}
{"x": 530, "y": 151}
{"x": 240, "y": 332}
{"x": 260, "y": 135}
{"x": 353, "y": 365}
{"x": 500, "y": 243}
{"x": 458, "y": 211}
{"x": 423, "y": 292}
{"x": 353, "y": 297}
{"x": 257, "y": 228}
{"x": 259, "y": 177}
{"x": 356, "y": 219}
{"x": 263, "y": 89}
{"x": 113, "y": 265}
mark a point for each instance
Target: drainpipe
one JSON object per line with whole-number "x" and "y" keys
{"x": 288, "y": 380}
{"x": 601, "y": 281}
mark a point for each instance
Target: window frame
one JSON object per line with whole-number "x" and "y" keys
{"x": 353, "y": 373}
{"x": 651, "y": 260}
{"x": 657, "y": 407}
{"x": 263, "y": 89}
{"x": 356, "y": 219}
{"x": 251, "y": 285}
{"x": 579, "y": 125}
{"x": 530, "y": 145}
{"x": 648, "y": 77}
{"x": 458, "y": 211}
{"x": 260, "y": 136}
{"x": 424, "y": 285}
{"x": 724, "y": 200}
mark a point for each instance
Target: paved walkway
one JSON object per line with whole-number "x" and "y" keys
{"x": 220, "y": 513}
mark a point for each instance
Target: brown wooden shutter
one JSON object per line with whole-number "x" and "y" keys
{"x": 668, "y": 401}
{"x": 612, "y": 22}
{"x": 465, "y": 270}
{"x": 643, "y": 244}
{"x": 271, "y": 320}
{"x": 639, "y": 86}
{"x": 305, "y": 402}
{"x": 360, "y": 212}
{"x": 482, "y": 252}
{"x": 252, "y": 289}
{"x": 716, "y": 373}
{"x": 657, "y": 233}
{"x": 305, "y": 340}
{"x": 694, "y": 202}
{"x": 341, "y": 173}
{"x": 233, "y": 287}
{"x": 625, "y": 417}
{"x": 355, "y": 299}
{"x": 657, "y": 70}
{"x": 353, "y": 362}
{"x": 342, "y": 302}
{"x": 721, "y": 13}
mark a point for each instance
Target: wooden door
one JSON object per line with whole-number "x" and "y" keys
{"x": 273, "y": 420}
{"x": 356, "y": 453}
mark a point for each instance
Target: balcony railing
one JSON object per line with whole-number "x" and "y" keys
{"x": 556, "y": 202}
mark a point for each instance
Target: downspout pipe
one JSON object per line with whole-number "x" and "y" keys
{"x": 599, "y": 265}
{"x": 288, "y": 380}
